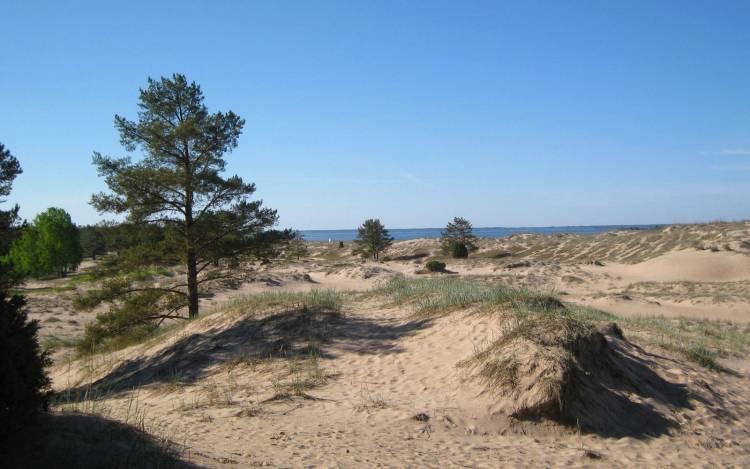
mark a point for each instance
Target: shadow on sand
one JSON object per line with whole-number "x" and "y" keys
{"x": 281, "y": 335}
{"x": 87, "y": 441}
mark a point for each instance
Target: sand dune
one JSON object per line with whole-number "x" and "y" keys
{"x": 388, "y": 392}
{"x": 687, "y": 265}
{"x": 375, "y": 384}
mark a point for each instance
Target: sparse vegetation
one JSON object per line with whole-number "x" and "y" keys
{"x": 698, "y": 340}
{"x": 441, "y": 295}
{"x": 315, "y": 299}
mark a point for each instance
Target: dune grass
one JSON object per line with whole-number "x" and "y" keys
{"x": 327, "y": 300}
{"x": 702, "y": 341}
{"x": 320, "y": 299}
{"x": 442, "y": 295}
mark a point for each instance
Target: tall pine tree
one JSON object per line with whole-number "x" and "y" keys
{"x": 178, "y": 185}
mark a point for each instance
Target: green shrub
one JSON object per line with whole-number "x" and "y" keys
{"x": 459, "y": 251}
{"x": 435, "y": 266}
{"x": 702, "y": 356}
{"x": 23, "y": 381}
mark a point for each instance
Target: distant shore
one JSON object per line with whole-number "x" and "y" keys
{"x": 402, "y": 234}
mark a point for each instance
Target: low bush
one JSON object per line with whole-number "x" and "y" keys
{"x": 435, "y": 266}
{"x": 459, "y": 251}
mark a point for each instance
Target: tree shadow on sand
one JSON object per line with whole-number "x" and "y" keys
{"x": 87, "y": 441}
{"x": 289, "y": 333}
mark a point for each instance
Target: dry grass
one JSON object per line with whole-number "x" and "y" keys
{"x": 431, "y": 296}
{"x": 697, "y": 292}
{"x": 368, "y": 401}
{"x": 315, "y": 299}
{"x": 702, "y": 341}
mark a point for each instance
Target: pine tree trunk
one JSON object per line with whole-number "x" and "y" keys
{"x": 192, "y": 281}
{"x": 192, "y": 260}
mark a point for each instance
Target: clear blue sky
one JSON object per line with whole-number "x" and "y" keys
{"x": 523, "y": 113}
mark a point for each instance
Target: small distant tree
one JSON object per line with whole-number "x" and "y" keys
{"x": 93, "y": 242}
{"x": 457, "y": 238}
{"x": 296, "y": 247}
{"x": 51, "y": 245}
{"x": 372, "y": 239}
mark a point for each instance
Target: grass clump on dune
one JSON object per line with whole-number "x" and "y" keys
{"x": 701, "y": 341}
{"x": 316, "y": 299}
{"x": 442, "y": 295}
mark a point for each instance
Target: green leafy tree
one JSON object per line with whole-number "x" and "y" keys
{"x": 372, "y": 239}
{"x": 457, "y": 238}
{"x": 50, "y": 245}
{"x": 177, "y": 185}
{"x": 296, "y": 247}
{"x": 24, "y": 385}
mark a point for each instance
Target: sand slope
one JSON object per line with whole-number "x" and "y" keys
{"x": 392, "y": 397}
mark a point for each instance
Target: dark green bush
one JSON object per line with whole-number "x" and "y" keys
{"x": 341, "y": 245}
{"x": 435, "y": 266}
{"x": 24, "y": 385}
{"x": 459, "y": 251}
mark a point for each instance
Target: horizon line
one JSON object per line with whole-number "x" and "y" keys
{"x": 514, "y": 227}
